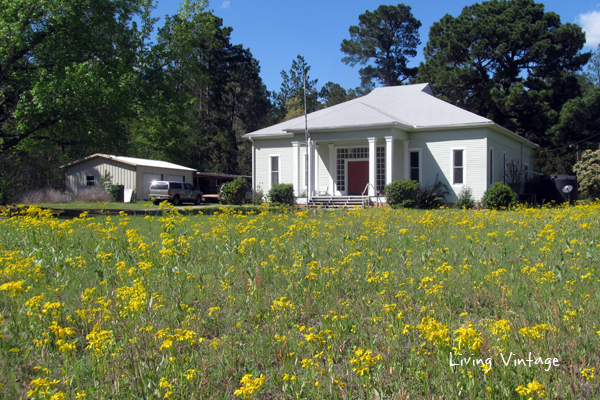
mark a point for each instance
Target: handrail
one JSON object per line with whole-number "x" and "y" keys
{"x": 378, "y": 202}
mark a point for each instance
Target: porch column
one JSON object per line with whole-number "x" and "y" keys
{"x": 332, "y": 170}
{"x": 311, "y": 169}
{"x": 316, "y": 164}
{"x": 253, "y": 169}
{"x": 296, "y": 168}
{"x": 372, "y": 165}
{"x": 389, "y": 159}
{"x": 406, "y": 161}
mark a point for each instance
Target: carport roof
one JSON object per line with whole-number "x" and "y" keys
{"x": 132, "y": 161}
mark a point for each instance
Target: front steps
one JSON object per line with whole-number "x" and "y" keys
{"x": 338, "y": 202}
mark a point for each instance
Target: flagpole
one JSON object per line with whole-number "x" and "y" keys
{"x": 306, "y": 156}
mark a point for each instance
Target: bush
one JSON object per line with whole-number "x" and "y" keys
{"x": 401, "y": 194}
{"x": 465, "y": 198}
{"x": 588, "y": 174}
{"x": 234, "y": 192}
{"x": 431, "y": 196}
{"x": 282, "y": 193}
{"x": 410, "y": 194}
{"x": 499, "y": 196}
{"x": 258, "y": 196}
{"x": 93, "y": 195}
{"x": 41, "y": 196}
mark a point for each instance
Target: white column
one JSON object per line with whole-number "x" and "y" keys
{"x": 332, "y": 169}
{"x": 296, "y": 168}
{"x": 253, "y": 169}
{"x": 406, "y": 161}
{"x": 372, "y": 165}
{"x": 389, "y": 159}
{"x": 316, "y": 163}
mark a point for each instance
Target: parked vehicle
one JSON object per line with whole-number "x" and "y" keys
{"x": 175, "y": 192}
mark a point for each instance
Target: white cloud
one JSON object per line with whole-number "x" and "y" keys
{"x": 590, "y": 22}
{"x": 226, "y": 4}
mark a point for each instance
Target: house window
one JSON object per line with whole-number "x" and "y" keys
{"x": 274, "y": 170}
{"x": 342, "y": 154}
{"x": 491, "y": 167}
{"x": 504, "y": 168}
{"x": 380, "y": 168}
{"x": 91, "y": 181}
{"x": 458, "y": 167}
{"x": 415, "y": 165}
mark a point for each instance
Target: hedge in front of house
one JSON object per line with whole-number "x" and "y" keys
{"x": 401, "y": 194}
{"x": 282, "y": 193}
{"x": 499, "y": 196}
{"x": 234, "y": 192}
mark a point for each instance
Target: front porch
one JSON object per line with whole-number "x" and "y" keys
{"x": 359, "y": 167}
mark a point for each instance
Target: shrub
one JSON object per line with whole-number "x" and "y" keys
{"x": 431, "y": 196}
{"x": 588, "y": 174}
{"x": 499, "y": 196}
{"x": 234, "y": 192}
{"x": 93, "y": 195}
{"x": 282, "y": 193}
{"x": 465, "y": 198}
{"x": 48, "y": 195}
{"x": 401, "y": 194}
{"x": 258, "y": 196}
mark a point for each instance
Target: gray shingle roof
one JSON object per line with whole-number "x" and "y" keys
{"x": 408, "y": 106}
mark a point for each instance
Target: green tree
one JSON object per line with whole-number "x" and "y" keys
{"x": 593, "y": 68}
{"x": 332, "y": 94}
{"x": 68, "y": 70}
{"x": 289, "y": 100}
{"x": 508, "y": 61}
{"x": 588, "y": 174}
{"x": 388, "y": 36}
{"x": 204, "y": 94}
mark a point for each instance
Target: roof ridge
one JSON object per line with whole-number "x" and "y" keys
{"x": 393, "y": 117}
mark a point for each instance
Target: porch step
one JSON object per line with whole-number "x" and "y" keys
{"x": 337, "y": 202}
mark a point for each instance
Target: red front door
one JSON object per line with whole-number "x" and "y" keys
{"x": 358, "y": 176}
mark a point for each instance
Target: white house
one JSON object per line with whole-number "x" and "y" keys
{"x": 132, "y": 173}
{"x": 399, "y": 132}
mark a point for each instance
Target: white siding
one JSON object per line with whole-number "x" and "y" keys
{"x": 130, "y": 176}
{"x": 188, "y": 176}
{"x": 514, "y": 152}
{"x": 436, "y": 157}
{"x": 264, "y": 148}
{"x": 121, "y": 174}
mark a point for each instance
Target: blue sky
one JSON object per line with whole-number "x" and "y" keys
{"x": 276, "y": 31}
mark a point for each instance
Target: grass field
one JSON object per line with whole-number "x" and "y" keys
{"x": 364, "y": 304}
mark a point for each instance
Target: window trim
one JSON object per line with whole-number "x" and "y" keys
{"x": 464, "y": 166}
{"x": 88, "y": 180}
{"x": 416, "y": 150}
{"x": 271, "y": 156}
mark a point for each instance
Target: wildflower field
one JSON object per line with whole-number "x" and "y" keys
{"x": 363, "y": 304}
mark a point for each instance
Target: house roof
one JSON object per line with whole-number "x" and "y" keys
{"x": 409, "y": 107}
{"x": 132, "y": 161}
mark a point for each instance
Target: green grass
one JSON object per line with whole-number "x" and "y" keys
{"x": 333, "y": 305}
